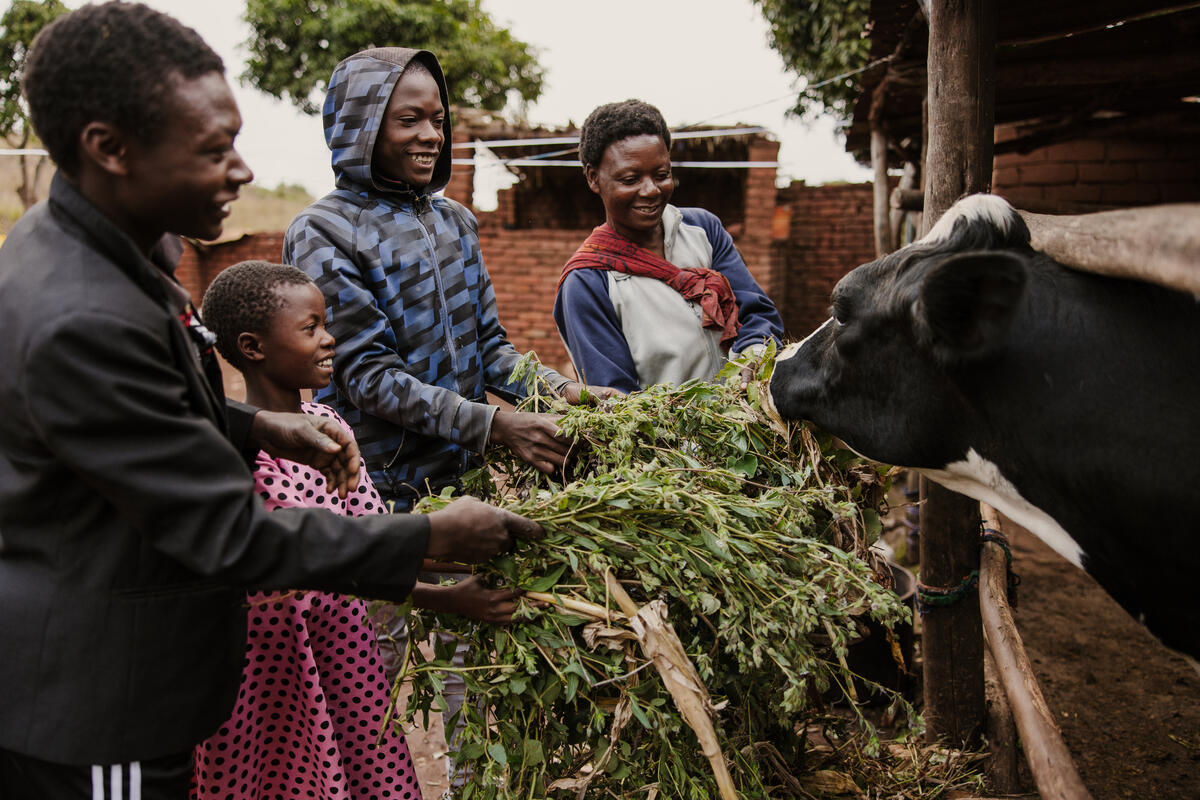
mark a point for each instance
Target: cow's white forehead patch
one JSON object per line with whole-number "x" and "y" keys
{"x": 789, "y": 351}
{"x": 792, "y": 349}
{"x": 986, "y": 208}
{"x": 978, "y": 478}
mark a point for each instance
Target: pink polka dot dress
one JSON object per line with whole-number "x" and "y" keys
{"x": 313, "y": 691}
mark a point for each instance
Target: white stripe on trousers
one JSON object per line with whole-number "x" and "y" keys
{"x": 115, "y": 771}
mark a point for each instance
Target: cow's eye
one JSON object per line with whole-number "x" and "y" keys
{"x": 840, "y": 312}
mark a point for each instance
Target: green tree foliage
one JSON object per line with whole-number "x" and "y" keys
{"x": 297, "y": 43}
{"x": 818, "y": 40}
{"x": 18, "y": 27}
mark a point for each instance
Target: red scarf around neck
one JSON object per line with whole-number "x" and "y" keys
{"x": 606, "y": 249}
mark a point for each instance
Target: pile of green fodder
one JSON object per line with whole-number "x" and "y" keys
{"x": 755, "y": 535}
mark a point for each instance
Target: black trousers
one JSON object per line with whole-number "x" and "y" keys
{"x": 27, "y": 778}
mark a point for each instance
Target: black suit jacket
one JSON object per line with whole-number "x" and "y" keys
{"x": 129, "y": 526}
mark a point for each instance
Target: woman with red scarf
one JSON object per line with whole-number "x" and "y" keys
{"x": 657, "y": 294}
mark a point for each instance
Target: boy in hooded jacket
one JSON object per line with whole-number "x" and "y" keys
{"x": 409, "y": 299}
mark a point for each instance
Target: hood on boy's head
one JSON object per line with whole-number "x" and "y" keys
{"x": 358, "y": 93}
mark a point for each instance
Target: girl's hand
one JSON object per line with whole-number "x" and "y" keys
{"x": 573, "y": 392}
{"x": 470, "y": 598}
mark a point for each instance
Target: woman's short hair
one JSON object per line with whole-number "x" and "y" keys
{"x": 613, "y": 122}
{"x": 243, "y": 299}
{"x": 116, "y": 63}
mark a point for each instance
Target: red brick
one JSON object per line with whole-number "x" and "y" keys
{"x": 1017, "y": 195}
{"x": 1047, "y": 174}
{"x": 1113, "y": 173}
{"x": 1074, "y": 194}
{"x": 1005, "y": 176}
{"x": 1180, "y": 192}
{"x": 1136, "y": 151}
{"x": 1083, "y": 150}
{"x": 1130, "y": 194}
{"x": 1165, "y": 171}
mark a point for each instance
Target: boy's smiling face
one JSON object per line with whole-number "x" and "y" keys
{"x": 184, "y": 181}
{"x": 411, "y": 135}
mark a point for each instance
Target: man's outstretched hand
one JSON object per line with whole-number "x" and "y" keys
{"x": 317, "y": 441}
{"x": 470, "y": 531}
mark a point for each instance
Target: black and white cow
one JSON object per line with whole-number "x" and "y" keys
{"x": 1068, "y": 401}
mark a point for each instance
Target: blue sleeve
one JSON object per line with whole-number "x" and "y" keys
{"x": 588, "y": 324}
{"x": 498, "y": 354}
{"x": 367, "y": 363}
{"x": 758, "y": 315}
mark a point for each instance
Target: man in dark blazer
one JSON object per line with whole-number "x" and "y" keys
{"x": 129, "y": 526}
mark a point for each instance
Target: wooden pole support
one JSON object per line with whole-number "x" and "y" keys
{"x": 958, "y": 159}
{"x": 1049, "y": 759}
{"x": 951, "y": 637}
{"x": 882, "y": 226}
{"x": 1156, "y": 244}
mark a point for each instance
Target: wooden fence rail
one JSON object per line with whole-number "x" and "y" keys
{"x": 1048, "y": 757}
{"x": 1156, "y": 244}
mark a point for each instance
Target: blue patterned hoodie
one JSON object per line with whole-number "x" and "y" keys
{"x": 408, "y": 297}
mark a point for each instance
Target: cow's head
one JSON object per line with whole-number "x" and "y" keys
{"x": 886, "y": 372}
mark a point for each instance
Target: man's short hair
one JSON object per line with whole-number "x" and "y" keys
{"x": 113, "y": 63}
{"x": 244, "y": 299}
{"x": 613, "y": 122}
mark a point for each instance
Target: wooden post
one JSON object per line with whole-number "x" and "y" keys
{"x": 958, "y": 138}
{"x": 962, "y": 99}
{"x": 883, "y": 228}
{"x": 1049, "y": 759}
{"x": 879, "y": 161}
{"x": 951, "y": 636}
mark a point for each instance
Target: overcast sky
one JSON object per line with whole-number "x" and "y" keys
{"x": 698, "y": 62}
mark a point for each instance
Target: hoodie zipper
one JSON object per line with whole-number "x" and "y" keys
{"x": 447, "y": 332}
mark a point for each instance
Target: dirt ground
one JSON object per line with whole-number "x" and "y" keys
{"x": 428, "y": 749}
{"x": 1129, "y": 708}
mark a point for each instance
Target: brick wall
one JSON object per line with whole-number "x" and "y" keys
{"x": 524, "y": 266}
{"x": 201, "y": 262}
{"x": 830, "y": 233}
{"x": 1092, "y": 174}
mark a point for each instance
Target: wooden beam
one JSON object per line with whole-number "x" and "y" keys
{"x": 1068, "y": 73}
{"x": 1156, "y": 244}
{"x": 908, "y": 199}
{"x": 897, "y": 216}
{"x": 960, "y": 98}
{"x": 1049, "y": 759}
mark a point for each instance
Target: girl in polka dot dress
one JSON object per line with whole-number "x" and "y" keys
{"x": 313, "y": 693}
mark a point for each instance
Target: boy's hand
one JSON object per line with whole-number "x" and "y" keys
{"x": 469, "y": 531}
{"x": 317, "y": 441}
{"x": 470, "y": 598}
{"x": 534, "y": 438}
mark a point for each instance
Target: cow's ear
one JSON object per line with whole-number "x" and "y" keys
{"x": 966, "y": 302}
